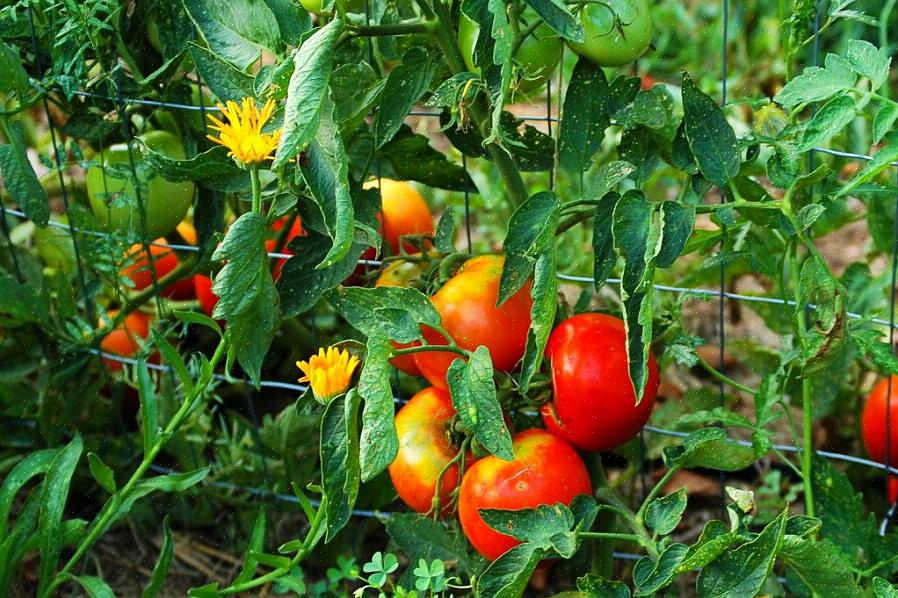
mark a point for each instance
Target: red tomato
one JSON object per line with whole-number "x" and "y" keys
{"x": 202, "y": 285}
{"x": 403, "y": 212}
{"x": 893, "y": 489}
{"x": 873, "y": 422}
{"x": 594, "y": 406}
{"x": 425, "y": 447}
{"x": 164, "y": 261}
{"x": 295, "y": 231}
{"x": 467, "y": 306}
{"x": 545, "y": 470}
{"x": 125, "y": 339}
{"x": 402, "y": 273}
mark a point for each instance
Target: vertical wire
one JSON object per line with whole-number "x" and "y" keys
{"x": 464, "y": 165}
{"x": 721, "y": 313}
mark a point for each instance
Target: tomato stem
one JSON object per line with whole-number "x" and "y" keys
{"x": 422, "y": 348}
{"x": 257, "y": 188}
{"x": 724, "y": 378}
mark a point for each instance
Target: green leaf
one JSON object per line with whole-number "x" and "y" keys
{"x": 536, "y": 526}
{"x": 301, "y": 285}
{"x": 818, "y": 285}
{"x": 255, "y": 545}
{"x": 203, "y": 168}
{"x": 881, "y": 160}
{"x": 354, "y": 89}
{"x": 35, "y": 464}
{"x": 601, "y": 182}
{"x": 225, "y": 81}
{"x": 193, "y": 317}
{"x": 598, "y": 587}
{"x": 507, "y": 576}
{"x": 94, "y": 586}
{"x": 883, "y": 589}
{"x": 444, "y": 239}
{"x": 19, "y": 179}
{"x": 252, "y": 331}
{"x": 820, "y": 566}
{"x": 307, "y": 91}
{"x": 542, "y": 315}
{"x": 412, "y": 158}
{"x": 585, "y": 116}
{"x": 339, "y": 448}
{"x": 293, "y": 21}
{"x": 663, "y": 514}
{"x": 531, "y": 232}
{"x": 236, "y": 30}
{"x": 532, "y": 150}
{"x": 379, "y": 443}
{"x": 869, "y": 61}
{"x": 363, "y": 308}
{"x": 422, "y": 537}
{"x": 160, "y": 571}
{"x": 742, "y": 572}
{"x": 870, "y": 343}
{"x": 884, "y": 120}
{"x": 709, "y": 448}
{"x": 54, "y": 494}
{"x": 240, "y": 282}
{"x": 649, "y": 576}
{"x": 13, "y": 78}
{"x": 557, "y": 16}
{"x": 174, "y": 482}
{"x": 603, "y": 241}
{"x": 405, "y": 85}
{"x": 711, "y": 138}
{"x": 172, "y": 358}
{"x": 101, "y": 472}
{"x": 829, "y": 121}
{"x": 474, "y": 397}
{"x": 676, "y": 228}
{"x": 714, "y": 541}
{"x": 326, "y": 172}
{"x": 816, "y": 84}
{"x": 634, "y": 240}
{"x": 652, "y": 108}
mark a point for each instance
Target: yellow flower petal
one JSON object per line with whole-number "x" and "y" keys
{"x": 242, "y": 134}
{"x": 329, "y": 372}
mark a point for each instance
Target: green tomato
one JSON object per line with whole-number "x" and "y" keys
{"x": 166, "y": 203}
{"x": 536, "y": 57}
{"x": 55, "y": 248}
{"x": 314, "y": 6}
{"x": 617, "y": 32}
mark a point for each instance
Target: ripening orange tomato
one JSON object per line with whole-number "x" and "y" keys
{"x": 125, "y": 339}
{"x": 403, "y": 212}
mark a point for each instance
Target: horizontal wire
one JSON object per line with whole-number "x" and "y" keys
{"x": 565, "y": 277}
{"x": 429, "y": 113}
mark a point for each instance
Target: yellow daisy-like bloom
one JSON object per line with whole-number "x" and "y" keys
{"x": 329, "y": 373}
{"x": 243, "y": 132}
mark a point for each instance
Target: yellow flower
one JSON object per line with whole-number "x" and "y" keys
{"x": 243, "y": 134}
{"x": 329, "y": 372}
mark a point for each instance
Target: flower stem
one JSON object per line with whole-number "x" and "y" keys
{"x": 257, "y": 188}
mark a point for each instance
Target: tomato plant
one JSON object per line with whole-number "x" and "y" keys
{"x": 594, "y": 406}
{"x": 467, "y": 308}
{"x": 545, "y": 471}
{"x": 402, "y": 273}
{"x": 537, "y": 55}
{"x": 616, "y": 32}
{"x": 423, "y": 427}
{"x": 114, "y": 197}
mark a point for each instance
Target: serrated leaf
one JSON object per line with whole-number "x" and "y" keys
{"x": 339, "y": 448}
{"x": 884, "y": 121}
{"x": 585, "y": 118}
{"x": 19, "y": 178}
{"x": 828, "y": 122}
{"x": 815, "y": 84}
{"x": 252, "y": 331}
{"x": 379, "y": 443}
{"x": 599, "y": 587}
{"x": 537, "y": 526}
{"x": 236, "y": 30}
{"x": 405, "y": 85}
{"x": 444, "y": 238}
{"x": 225, "y": 81}
{"x": 709, "y": 448}
{"x": 202, "y": 168}
{"x": 360, "y": 306}
{"x": 820, "y": 566}
{"x": 869, "y": 61}
{"x": 474, "y": 397}
{"x": 422, "y": 537}
{"x": 663, "y": 514}
{"x": 544, "y": 293}
{"x": 742, "y": 572}
{"x": 677, "y": 222}
{"x": 507, "y": 576}
{"x": 307, "y": 91}
{"x": 881, "y": 160}
{"x": 883, "y": 589}
{"x": 603, "y": 240}
{"x": 13, "y": 78}
{"x": 239, "y": 283}
{"x": 557, "y": 16}
{"x": 531, "y": 232}
{"x": 711, "y": 138}
{"x": 649, "y": 575}
{"x": 412, "y": 158}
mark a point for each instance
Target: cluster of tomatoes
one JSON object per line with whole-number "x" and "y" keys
{"x": 593, "y": 406}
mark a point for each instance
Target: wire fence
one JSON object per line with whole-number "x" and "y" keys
{"x": 721, "y": 293}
